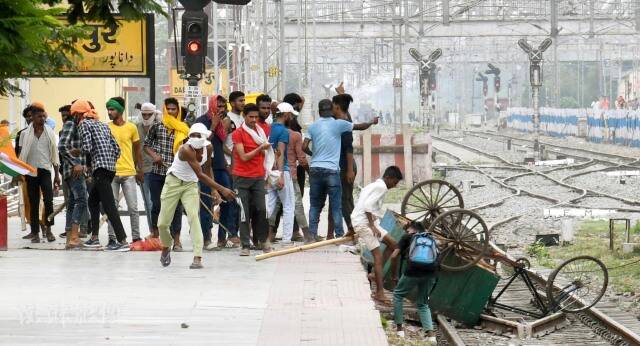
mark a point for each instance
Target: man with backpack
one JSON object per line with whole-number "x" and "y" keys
{"x": 364, "y": 215}
{"x": 420, "y": 250}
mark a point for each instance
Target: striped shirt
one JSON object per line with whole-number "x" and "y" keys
{"x": 99, "y": 144}
{"x": 160, "y": 139}
{"x": 69, "y": 140}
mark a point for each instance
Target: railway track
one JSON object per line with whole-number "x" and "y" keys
{"x": 565, "y": 150}
{"x": 518, "y": 206}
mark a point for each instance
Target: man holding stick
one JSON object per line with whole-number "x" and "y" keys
{"x": 191, "y": 164}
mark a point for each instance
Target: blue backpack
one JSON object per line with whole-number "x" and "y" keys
{"x": 423, "y": 253}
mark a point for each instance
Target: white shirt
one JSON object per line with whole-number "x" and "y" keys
{"x": 182, "y": 169}
{"x": 236, "y": 118}
{"x": 370, "y": 200}
{"x": 40, "y": 154}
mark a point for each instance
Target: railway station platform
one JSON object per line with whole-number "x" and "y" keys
{"x": 57, "y": 297}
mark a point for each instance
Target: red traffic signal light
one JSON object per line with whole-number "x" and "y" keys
{"x": 193, "y": 47}
{"x": 194, "y": 41}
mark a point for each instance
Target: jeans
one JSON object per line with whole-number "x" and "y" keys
{"x": 101, "y": 193}
{"x": 130, "y": 191}
{"x": 252, "y": 194}
{"x": 65, "y": 191}
{"x": 173, "y": 192}
{"x": 286, "y": 196}
{"x": 299, "y": 217}
{"x": 229, "y": 209}
{"x": 347, "y": 201}
{"x": 156, "y": 183}
{"x": 41, "y": 182}
{"x": 406, "y": 285}
{"x": 77, "y": 212}
{"x": 323, "y": 182}
{"x": 146, "y": 197}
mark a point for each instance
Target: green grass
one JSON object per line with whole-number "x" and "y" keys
{"x": 395, "y": 195}
{"x": 592, "y": 238}
{"x": 384, "y": 321}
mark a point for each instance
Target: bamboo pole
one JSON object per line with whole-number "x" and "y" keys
{"x": 56, "y": 211}
{"x": 304, "y": 248}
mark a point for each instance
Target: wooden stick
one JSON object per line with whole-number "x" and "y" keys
{"x": 217, "y": 222}
{"x": 56, "y": 211}
{"x": 304, "y": 247}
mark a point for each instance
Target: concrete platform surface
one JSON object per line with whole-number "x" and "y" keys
{"x": 49, "y": 296}
{"x": 86, "y": 298}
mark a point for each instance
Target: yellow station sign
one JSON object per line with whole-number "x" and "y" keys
{"x": 122, "y": 50}
{"x": 207, "y": 84}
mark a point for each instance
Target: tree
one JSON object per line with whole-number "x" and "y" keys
{"x": 568, "y": 102}
{"x": 33, "y": 42}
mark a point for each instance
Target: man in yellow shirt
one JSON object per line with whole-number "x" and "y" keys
{"x": 128, "y": 170}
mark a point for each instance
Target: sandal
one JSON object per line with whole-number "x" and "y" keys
{"x": 195, "y": 265}
{"x": 235, "y": 242}
{"x": 165, "y": 259}
{"x": 384, "y": 301}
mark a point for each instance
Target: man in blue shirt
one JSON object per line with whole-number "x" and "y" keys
{"x": 324, "y": 173}
{"x": 282, "y": 187}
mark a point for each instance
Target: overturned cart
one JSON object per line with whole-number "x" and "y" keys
{"x": 466, "y": 285}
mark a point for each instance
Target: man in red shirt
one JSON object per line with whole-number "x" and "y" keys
{"x": 249, "y": 146}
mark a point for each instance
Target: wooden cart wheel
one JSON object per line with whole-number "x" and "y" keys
{"x": 577, "y": 284}
{"x": 463, "y": 238}
{"x": 430, "y": 198}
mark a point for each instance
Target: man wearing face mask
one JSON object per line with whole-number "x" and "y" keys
{"x": 149, "y": 117}
{"x": 129, "y": 164}
{"x": 192, "y": 163}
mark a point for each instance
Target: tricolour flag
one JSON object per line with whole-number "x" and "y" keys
{"x": 9, "y": 162}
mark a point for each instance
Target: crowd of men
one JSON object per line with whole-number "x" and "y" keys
{"x": 251, "y": 160}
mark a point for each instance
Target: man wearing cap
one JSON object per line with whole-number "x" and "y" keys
{"x": 192, "y": 163}
{"x": 149, "y": 116}
{"x": 99, "y": 144}
{"x": 282, "y": 188}
{"x": 129, "y": 164}
{"x": 324, "y": 178}
{"x": 295, "y": 156}
{"x": 40, "y": 150}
